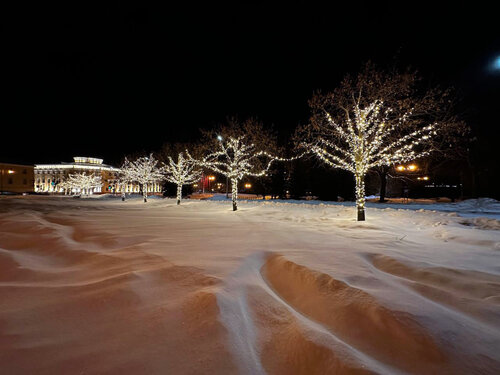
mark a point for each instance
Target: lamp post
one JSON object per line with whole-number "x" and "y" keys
{"x": 408, "y": 170}
{"x": 210, "y": 179}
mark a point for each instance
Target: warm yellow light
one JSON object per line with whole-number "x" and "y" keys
{"x": 400, "y": 168}
{"x": 248, "y": 186}
{"x": 211, "y": 178}
{"x": 412, "y": 167}
{"x": 195, "y": 185}
{"x": 426, "y": 178}
{"x": 11, "y": 171}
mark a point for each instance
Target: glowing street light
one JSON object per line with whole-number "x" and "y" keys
{"x": 248, "y": 185}
{"x": 410, "y": 168}
{"x": 210, "y": 179}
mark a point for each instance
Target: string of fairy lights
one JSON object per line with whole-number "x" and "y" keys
{"x": 144, "y": 170}
{"x": 182, "y": 172}
{"x": 360, "y": 144}
{"x": 236, "y": 159}
{"x": 81, "y": 182}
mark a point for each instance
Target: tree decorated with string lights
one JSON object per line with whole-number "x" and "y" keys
{"x": 82, "y": 181}
{"x": 360, "y": 140}
{"x": 182, "y": 172}
{"x": 143, "y": 170}
{"x": 408, "y": 95}
{"x": 125, "y": 177}
{"x": 237, "y": 158}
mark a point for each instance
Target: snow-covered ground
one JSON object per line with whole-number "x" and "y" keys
{"x": 104, "y": 286}
{"x": 482, "y": 207}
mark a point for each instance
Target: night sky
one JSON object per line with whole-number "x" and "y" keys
{"x": 106, "y": 80}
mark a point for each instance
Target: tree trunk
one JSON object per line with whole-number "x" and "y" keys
{"x": 179, "y": 193}
{"x": 234, "y": 186}
{"x": 145, "y": 192}
{"x": 360, "y": 196}
{"x": 383, "y": 184}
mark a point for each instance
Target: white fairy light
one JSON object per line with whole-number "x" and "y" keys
{"x": 82, "y": 182}
{"x": 236, "y": 159}
{"x": 144, "y": 171}
{"x": 181, "y": 173}
{"x": 125, "y": 177}
{"x": 360, "y": 143}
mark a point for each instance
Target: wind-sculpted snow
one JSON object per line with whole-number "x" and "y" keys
{"x": 103, "y": 286}
{"x": 392, "y": 337}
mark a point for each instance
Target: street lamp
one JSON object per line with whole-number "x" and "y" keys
{"x": 408, "y": 168}
{"x": 210, "y": 178}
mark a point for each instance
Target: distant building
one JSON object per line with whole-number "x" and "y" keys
{"x": 16, "y": 178}
{"x": 48, "y": 177}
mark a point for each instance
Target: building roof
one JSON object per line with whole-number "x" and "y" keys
{"x": 80, "y": 162}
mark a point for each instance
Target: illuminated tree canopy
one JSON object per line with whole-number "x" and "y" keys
{"x": 361, "y": 141}
{"x": 144, "y": 170}
{"x": 182, "y": 172}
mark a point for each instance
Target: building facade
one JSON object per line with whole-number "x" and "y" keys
{"x": 49, "y": 178}
{"x": 16, "y": 178}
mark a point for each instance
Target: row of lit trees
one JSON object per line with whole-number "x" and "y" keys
{"x": 370, "y": 123}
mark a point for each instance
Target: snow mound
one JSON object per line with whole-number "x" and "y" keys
{"x": 483, "y": 223}
{"x": 389, "y": 336}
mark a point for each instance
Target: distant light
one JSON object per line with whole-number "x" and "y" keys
{"x": 11, "y": 171}
{"x": 496, "y": 63}
{"x": 400, "y": 168}
{"x": 412, "y": 167}
{"x": 211, "y": 178}
{"x": 248, "y": 186}
{"x": 219, "y": 137}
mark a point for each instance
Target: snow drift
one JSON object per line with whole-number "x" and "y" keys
{"x": 104, "y": 286}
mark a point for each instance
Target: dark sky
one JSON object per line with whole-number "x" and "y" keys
{"x": 106, "y": 79}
